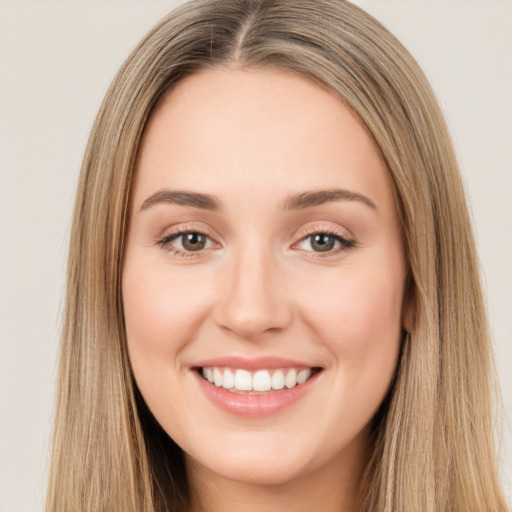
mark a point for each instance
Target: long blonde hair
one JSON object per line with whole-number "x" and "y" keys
{"x": 432, "y": 439}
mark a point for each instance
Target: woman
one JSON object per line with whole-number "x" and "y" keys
{"x": 273, "y": 296}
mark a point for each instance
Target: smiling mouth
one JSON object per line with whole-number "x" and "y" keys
{"x": 263, "y": 381}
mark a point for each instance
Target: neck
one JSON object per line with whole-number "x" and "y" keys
{"x": 330, "y": 488}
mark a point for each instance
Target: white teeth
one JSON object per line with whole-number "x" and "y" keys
{"x": 209, "y": 374}
{"x": 229, "y": 379}
{"x": 291, "y": 379}
{"x": 243, "y": 380}
{"x": 278, "y": 380}
{"x": 303, "y": 376}
{"x": 259, "y": 381}
{"x": 217, "y": 377}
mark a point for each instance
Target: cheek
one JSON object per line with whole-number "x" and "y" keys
{"x": 357, "y": 307}
{"x": 357, "y": 317}
{"x": 162, "y": 312}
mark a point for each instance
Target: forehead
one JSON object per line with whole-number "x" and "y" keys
{"x": 270, "y": 132}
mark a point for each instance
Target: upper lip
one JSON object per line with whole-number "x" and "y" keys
{"x": 258, "y": 363}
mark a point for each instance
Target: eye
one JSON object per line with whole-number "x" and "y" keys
{"x": 192, "y": 241}
{"x": 186, "y": 242}
{"x": 324, "y": 243}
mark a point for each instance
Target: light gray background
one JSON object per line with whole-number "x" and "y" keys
{"x": 56, "y": 61}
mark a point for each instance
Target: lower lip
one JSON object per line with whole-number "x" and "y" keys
{"x": 254, "y": 405}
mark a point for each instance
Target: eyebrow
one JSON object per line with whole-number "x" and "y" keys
{"x": 182, "y": 198}
{"x": 318, "y": 197}
{"x": 294, "y": 202}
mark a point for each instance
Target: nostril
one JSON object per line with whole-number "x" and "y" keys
{"x": 251, "y": 320}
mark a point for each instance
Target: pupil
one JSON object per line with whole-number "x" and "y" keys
{"x": 194, "y": 241}
{"x": 322, "y": 243}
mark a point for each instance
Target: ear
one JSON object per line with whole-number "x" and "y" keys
{"x": 409, "y": 305}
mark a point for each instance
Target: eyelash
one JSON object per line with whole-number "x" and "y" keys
{"x": 165, "y": 242}
{"x": 345, "y": 243}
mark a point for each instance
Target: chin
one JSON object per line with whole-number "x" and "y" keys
{"x": 255, "y": 471}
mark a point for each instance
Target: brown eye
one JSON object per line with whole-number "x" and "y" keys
{"x": 322, "y": 242}
{"x": 193, "y": 241}
{"x": 325, "y": 243}
{"x": 186, "y": 242}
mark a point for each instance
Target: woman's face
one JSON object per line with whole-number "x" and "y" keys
{"x": 264, "y": 255}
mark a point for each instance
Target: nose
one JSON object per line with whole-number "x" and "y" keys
{"x": 255, "y": 300}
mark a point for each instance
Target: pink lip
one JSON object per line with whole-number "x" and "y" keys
{"x": 261, "y": 363}
{"x": 253, "y": 405}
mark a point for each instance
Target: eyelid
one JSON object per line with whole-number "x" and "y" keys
{"x": 312, "y": 228}
{"x": 167, "y": 235}
{"x": 339, "y": 233}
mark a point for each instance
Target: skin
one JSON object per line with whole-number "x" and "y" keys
{"x": 252, "y": 138}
